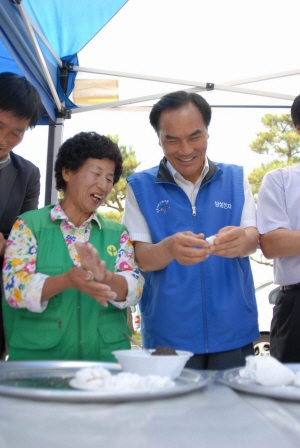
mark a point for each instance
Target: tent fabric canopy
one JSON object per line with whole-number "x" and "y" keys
{"x": 70, "y": 24}
{"x": 41, "y": 42}
{"x": 67, "y": 26}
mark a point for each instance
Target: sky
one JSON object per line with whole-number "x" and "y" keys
{"x": 194, "y": 40}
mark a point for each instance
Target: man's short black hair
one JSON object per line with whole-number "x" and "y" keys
{"x": 75, "y": 151}
{"x": 176, "y": 100}
{"x": 295, "y": 111}
{"x": 20, "y": 98}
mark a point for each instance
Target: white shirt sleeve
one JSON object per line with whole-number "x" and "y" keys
{"x": 134, "y": 220}
{"x": 272, "y": 203}
{"x": 248, "y": 218}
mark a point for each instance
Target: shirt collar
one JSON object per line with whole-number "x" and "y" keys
{"x": 4, "y": 161}
{"x": 176, "y": 174}
{"x": 58, "y": 213}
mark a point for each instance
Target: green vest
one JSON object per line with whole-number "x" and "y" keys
{"x": 73, "y": 326}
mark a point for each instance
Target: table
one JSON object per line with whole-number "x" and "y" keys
{"x": 214, "y": 417}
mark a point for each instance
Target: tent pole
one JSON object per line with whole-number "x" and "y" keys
{"x": 130, "y": 101}
{"x": 185, "y": 82}
{"x": 46, "y": 43}
{"x": 229, "y": 87}
{"x": 114, "y": 104}
{"x": 55, "y": 137}
{"x": 39, "y": 55}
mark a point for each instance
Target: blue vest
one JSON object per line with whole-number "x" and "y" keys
{"x": 208, "y": 307}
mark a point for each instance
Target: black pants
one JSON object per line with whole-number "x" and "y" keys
{"x": 221, "y": 360}
{"x": 285, "y": 327}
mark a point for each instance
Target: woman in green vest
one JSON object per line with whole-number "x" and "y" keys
{"x": 69, "y": 273}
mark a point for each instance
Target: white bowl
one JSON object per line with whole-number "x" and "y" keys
{"x": 137, "y": 361}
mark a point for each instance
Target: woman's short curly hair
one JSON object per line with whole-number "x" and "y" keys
{"x": 75, "y": 151}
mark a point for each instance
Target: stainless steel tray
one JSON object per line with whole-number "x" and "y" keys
{"x": 232, "y": 378}
{"x": 49, "y": 380}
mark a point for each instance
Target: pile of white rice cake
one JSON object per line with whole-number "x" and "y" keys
{"x": 268, "y": 371}
{"x": 102, "y": 379}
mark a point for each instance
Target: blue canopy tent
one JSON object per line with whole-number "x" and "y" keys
{"x": 41, "y": 42}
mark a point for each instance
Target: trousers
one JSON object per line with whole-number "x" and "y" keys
{"x": 285, "y": 327}
{"x": 221, "y": 360}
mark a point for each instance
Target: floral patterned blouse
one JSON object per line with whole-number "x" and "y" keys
{"x": 23, "y": 285}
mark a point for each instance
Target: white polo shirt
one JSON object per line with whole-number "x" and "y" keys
{"x": 278, "y": 207}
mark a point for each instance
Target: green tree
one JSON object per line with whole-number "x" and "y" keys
{"x": 280, "y": 141}
{"x": 115, "y": 200}
{"x": 257, "y": 174}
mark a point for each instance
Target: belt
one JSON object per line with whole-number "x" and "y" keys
{"x": 290, "y": 287}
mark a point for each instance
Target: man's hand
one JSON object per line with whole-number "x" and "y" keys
{"x": 185, "y": 247}
{"x": 188, "y": 248}
{"x": 2, "y": 244}
{"x": 231, "y": 242}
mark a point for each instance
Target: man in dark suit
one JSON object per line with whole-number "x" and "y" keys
{"x": 20, "y": 109}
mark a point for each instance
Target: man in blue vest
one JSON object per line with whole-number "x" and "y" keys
{"x": 193, "y": 223}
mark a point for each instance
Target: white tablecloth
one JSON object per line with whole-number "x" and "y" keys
{"x": 214, "y": 417}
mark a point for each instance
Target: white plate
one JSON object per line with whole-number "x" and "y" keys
{"x": 232, "y": 378}
{"x": 78, "y": 385}
{"x": 50, "y": 380}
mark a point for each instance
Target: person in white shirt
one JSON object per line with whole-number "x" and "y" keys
{"x": 278, "y": 222}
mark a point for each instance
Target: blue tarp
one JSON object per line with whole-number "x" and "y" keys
{"x": 68, "y": 25}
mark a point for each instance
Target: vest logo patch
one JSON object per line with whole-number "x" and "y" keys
{"x": 162, "y": 206}
{"x": 112, "y": 250}
{"x": 223, "y": 205}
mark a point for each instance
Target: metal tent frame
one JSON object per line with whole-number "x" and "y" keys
{"x": 39, "y": 46}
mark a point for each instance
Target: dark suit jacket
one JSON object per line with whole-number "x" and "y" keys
{"x": 19, "y": 191}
